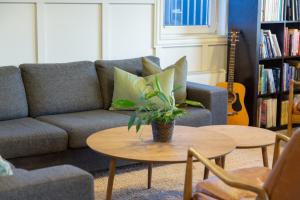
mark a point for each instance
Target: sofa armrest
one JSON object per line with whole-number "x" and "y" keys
{"x": 213, "y": 98}
{"x": 60, "y": 182}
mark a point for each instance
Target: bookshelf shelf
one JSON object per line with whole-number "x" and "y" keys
{"x": 291, "y": 57}
{"x": 271, "y": 59}
{"x": 248, "y": 53}
{"x": 273, "y": 22}
{"x": 267, "y": 95}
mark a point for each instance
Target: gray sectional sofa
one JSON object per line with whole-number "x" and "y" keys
{"x": 47, "y": 111}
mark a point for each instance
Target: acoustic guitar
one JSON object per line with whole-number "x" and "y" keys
{"x": 237, "y": 113}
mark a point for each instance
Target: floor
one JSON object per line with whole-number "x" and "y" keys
{"x": 167, "y": 183}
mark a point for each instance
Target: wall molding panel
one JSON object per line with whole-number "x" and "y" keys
{"x": 40, "y": 31}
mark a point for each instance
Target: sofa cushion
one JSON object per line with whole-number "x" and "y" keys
{"x": 81, "y": 125}
{"x": 105, "y": 70}
{"x": 195, "y": 117}
{"x": 61, "y": 88}
{"x": 180, "y": 75}
{"x": 13, "y": 103}
{"x": 27, "y": 137}
{"x": 132, "y": 87}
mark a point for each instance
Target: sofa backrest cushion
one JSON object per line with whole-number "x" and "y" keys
{"x": 13, "y": 102}
{"x": 61, "y": 88}
{"x": 105, "y": 70}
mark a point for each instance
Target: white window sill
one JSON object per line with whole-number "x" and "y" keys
{"x": 191, "y": 40}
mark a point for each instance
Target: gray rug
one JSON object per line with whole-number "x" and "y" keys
{"x": 167, "y": 180}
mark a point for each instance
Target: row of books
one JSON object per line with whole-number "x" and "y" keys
{"x": 266, "y": 112}
{"x": 290, "y": 70}
{"x": 269, "y": 80}
{"x": 269, "y": 47}
{"x": 291, "y": 42}
{"x": 292, "y": 10}
{"x": 279, "y": 10}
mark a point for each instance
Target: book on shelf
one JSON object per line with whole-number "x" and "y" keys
{"x": 292, "y": 10}
{"x": 267, "y": 112}
{"x": 269, "y": 46}
{"x": 290, "y": 70}
{"x": 269, "y": 80}
{"x": 272, "y": 10}
{"x": 291, "y": 42}
{"x": 284, "y": 113}
{"x": 279, "y": 10}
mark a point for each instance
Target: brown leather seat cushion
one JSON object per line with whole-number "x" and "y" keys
{"x": 296, "y": 106}
{"x": 215, "y": 188}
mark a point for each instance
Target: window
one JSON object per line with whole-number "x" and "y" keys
{"x": 186, "y": 12}
{"x": 180, "y": 18}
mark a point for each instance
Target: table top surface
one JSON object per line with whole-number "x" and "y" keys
{"x": 119, "y": 143}
{"x": 245, "y": 136}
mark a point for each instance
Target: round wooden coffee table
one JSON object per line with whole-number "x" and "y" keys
{"x": 119, "y": 143}
{"x": 246, "y": 137}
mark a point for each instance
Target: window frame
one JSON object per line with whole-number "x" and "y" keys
{"x": 190, "y": 30}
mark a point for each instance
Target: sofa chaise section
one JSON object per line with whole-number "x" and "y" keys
{"x": 60, "y": 182}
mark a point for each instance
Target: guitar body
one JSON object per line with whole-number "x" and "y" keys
{"x": 237, "y": 113}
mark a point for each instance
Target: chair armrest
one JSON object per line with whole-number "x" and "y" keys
{"x": 227, "y": 178}
{"x": 60, "y": 182}
{"x": 213, "y": 98}
{"x": 279, "y": 137}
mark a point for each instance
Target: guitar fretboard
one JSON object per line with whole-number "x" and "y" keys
{"x": 230, "y": 75}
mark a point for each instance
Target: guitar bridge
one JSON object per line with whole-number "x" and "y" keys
{"x": 232, "y": 113}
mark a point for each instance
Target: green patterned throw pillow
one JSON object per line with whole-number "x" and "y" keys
{"x": 180, "y": 76}
{"x": 131, "y": 87}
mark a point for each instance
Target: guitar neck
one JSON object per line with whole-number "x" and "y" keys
{"x": 231, "y": 65}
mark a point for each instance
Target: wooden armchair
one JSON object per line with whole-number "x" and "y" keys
{"x": 293, "y": 107}
{"x": 282, "y": 182}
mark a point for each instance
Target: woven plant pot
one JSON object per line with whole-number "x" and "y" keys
{"x": 162, "y": 132}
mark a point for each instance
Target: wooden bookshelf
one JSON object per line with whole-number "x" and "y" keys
{"x": 244, "y": 15}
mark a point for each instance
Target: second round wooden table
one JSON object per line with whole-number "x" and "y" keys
{"x": 119, "y": 143}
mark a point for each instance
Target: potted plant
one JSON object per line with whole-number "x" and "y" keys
{"x": 155, "y": 108}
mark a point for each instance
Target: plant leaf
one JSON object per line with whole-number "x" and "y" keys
{"x": 123, "y": 103}
{"x": 176, "y": 88}
{"x": 138, "y": 125}
{"x": 131, "y": 120}
{"x": 157, "y": 84}
{"x": 194, "y": 103}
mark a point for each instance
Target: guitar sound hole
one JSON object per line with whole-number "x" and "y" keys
{"x": 231, "y": 97}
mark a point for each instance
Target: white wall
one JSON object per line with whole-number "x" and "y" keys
{"x": 71, "y": 30}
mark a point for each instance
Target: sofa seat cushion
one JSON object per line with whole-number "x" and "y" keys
{"x": 105, "y": 70}
{"x": 195, "y": 117}
{"x": 81, "y": 125}
{"x": 28, "y": 137}
{"x": 61, "y": 88}
{"x": 13, "y": 103}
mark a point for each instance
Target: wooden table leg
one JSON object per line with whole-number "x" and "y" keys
{"x": 265, "y": 156}
{"x": 112, "y": 171}
{"x": 218, "y": 161}
{"x": 206, "y": 173}
{"x": 149, "y": 175}
{"x": 223, "y": 161}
